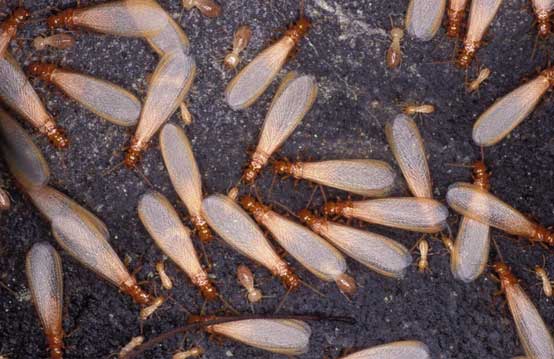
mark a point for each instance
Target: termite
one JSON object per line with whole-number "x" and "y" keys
{"x": 543, "y": 10}
{"x": 44, "y": 273}
{"x": 370, "y": 178}
{"x": 191, "y": 353}
{"x": 474, "y": 202}
{"x": 184, "y": 174}
{"x": 396, "y": 350}
{"x": 423, "y": 262}
{"x": 481, "y": 14}
{"x": 146, "y": 312}
{"x": 545, "y": 280}
{"x": 407, "y": 146}
{"x": 208, "y": 8}
{"x": 238, "y": 230}
{"x": 312, "y": 251}
{"x": 129, "y": 347}
{"x": 58, "y": 41}
{"x": 283, "y": 336}
{"x": 168, "y": 86}
{"x": 17, "y": 92}
{"x": 251, "y": 82}
{"x": 240, "y": 41}
{"x": 167, "y": 283}
{"x": 533, "y": 333}
{"x": 103, "y": 98}
{"x": 394, "y": 52}
{"x": 414, "y": 109}
{"x": 447, "y": 242}
{"x": 510, "y": 110}
{"x": 186, "y": 116}
{"x": 377, "y": 252}
{"x": 474, "y": 85}
{"x": 455, "y": 13}
{"x": 8, "y": 28}
{"x": 293, "y": 100}
{"x": 424, "y": 18}
{"x": 246, "y": 279}
{"x": 5, "y": 201}
{"x": 173, "y": 238}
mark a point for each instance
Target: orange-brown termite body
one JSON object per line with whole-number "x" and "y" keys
{"x": 8, "y": 28}
{"x": 394, "y": 52}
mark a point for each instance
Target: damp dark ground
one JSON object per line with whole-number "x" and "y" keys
{"x": 357, "y": 94}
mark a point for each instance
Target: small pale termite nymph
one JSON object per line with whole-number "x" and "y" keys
{"x": 5, "y": 201}
{"x": 167, "y": 283}
{"x": 208, "y": 8}
{"x": 246, "y": 279}
{"x": 545, "y": 280}
{"x": 543, "y": 10}
{"x": 58, "y": 41}
{"x": 8, "y": 28}
{"x": 129, "y": 347}
{"x": 394, "y": 52}
{"x": 456, "y": 12}
{"x": 423, "y": 262}
{"x": 413, "y": 109}
{"x": 193, "y": 352}
{"x": 424, "y": 18}
{"x": 396, "y": 350}
{"x": 240, "y": 41}
{"x": 474, "y": 85}
{"x": 146, "y": 312}
{"x": 447, "y": 242}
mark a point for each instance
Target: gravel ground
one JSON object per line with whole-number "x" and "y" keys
{"x": 345, "y": 51}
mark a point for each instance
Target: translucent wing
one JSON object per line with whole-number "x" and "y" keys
{"x": 251, "y": 82}
{"x": 44, "y": 273}
{"x": 481, "y": 14}
{"x": 424, "y": 18}
{"x": 396, "y": 350}
{"x": 181, "y": 166}
{"x": 544, "y": 5}
{"x": 5, "y": 38}
{"x": 409, "y": 213}
{"x": 171, "y": 37}
{"x": 533, "y": 333}
{"x": 364, "y": 177}
{"x": 475, "y": 203}
{"x": 408, "y": 149}
{"x": 289, "y": 337}
{"x": 508, "y": 112}
{"x": 471, "y": 250}
{"x": 23, "y": 157}
{"x": 293, "y": 100}
{"x": 457, "y": 5}
{"x": 105, "y": 99}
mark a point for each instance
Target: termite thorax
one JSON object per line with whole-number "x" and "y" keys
{"x": 43, "y": 71}
{"x": 506, "y": 276}
{"x": 543, "y": 22}
{"x": 298, "y": 29}
{"x": 208, "y": 290}
{"x": 133, "y": 154}
{"x": 259, "y": 159}
{"x": 257, "y": 209}
{"x": 311, "y": 220}
{"x": 542, "y": 234}
{"x": 137, "y": 293}
{"x": 55, "y": 344}
{"x": 337, "y": 208}
{"x": 56, "y": 135}
{"x": 455, "y": 18}
{"x": 63, "y": 19}
{"x": 287, "y": 276}
{"x": 467, "y": 53}
{"x": 549, "y": 75}
{"x": 480, "y": 175}
{"x": 202, "y": 228}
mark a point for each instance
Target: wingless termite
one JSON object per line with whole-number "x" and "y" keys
{"x": 146, "y": 312}
{"x": 5, "y": 201}
{"x": 396, "y": 350}
{"x": 312, "y": 251}
{"x": 424, "y": 18}
{"x": 8, "y": 28}
{"x": 393, "y": 58}
{"x": 167, "y": 283}
{"x": 208, "y": 8}
{"x": 455, "y": 13}
{"x": 44, "y": 273}
{"x": 246, "y": 279}
{"x": 103, "y": 98}
{"x": 474, "y": 84}
{"x": 193, "y": 352}
{"x": 423, "y": 262}
{"x": 240, "y": 41}
{"x": 481, "y": 14}
{"x": 545, "y": 280}
{"x": 293, "y": 100}
{"x": 129, "y": 347}
{"x": 58, "y": 41}
{"x": 414, "y": 109}
{"x": 543, "y": 10}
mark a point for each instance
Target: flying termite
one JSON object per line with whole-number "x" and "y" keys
{"x": 543, "y": 10}
{"x": 407, "y": 146}
{"x": 409, "y": 213}
{"x": 238, "y": 230}
{"x": 455, "y": 13}
{"x": 424, "y": 18}
{"x": 474, "y": 84}
{"x": 508, "y": 111}
{"x": 293, "y": 100}
{"x": 58, "y": 41}
{"x": 184, "y": 174}
{"x": 44, "y": 273}
{"x": 533, "y": 333}
{"x": 173, "y": 238}
{"x": 394, "y": 52}
{"x": 423, "y": 262}
{"x": 5, "y": 201}
{"x": 246, "y": 279}
{"x": 396, "y": 350}
{"x": 17, "y": 92}
{"x": 377, "y": 252}
{"x": 8, "y": 28}
{"x": 312, "y": 251}
{"x": 472, "y": 201}
{"x": 370, "y": 178}
{"x": 193, "y": 352}
{"x": 240, "y": 41}
{"x": 251, "y": 82}
{"x": 481, "y": 14}
{"x": 167, "y": 283}
{"x": 208, "y": 8}
{"x": 146, "y": 312}
{"x": 129, "y": 347}
{"x": 103, "y": 98}
{"x": 545, "y": 280}
{"x": 414, "y": 109}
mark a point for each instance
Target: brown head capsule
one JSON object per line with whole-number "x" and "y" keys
{"x": 288, "y": 277}
{"x": 481, "y": 176}
{"x": 467, "y": 53}
{"x": 337, "y": 208}
{"x": 133, "y": 154}
{"x": 455, "y": 18}
{"x": 202, "y": 228}
{"x": 506, "y": 277}
{"x": 19, "y": 15}
{"x": 394, "y": 52}
{"x": 208, "y": 290}
{"x": 62, "y": 19}
{"x": 55, "y": 134}
{"x": 257, "y": 209}
{"x": 297, "y": 30}
{"x": 42, "y": 70}
{"x": 137, "y": 293}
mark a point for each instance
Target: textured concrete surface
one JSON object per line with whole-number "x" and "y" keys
{"x": 345, "y": 51}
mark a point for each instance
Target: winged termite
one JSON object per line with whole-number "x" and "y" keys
{"x": 545, "y": 280}
{"x": 24, "y": 159}
{"x": 58, "y": 41}
{"x": 508, "y": 111}
{"x": 312, "y": 251}
{"x": 251, "y": 82}
{"x": 370, "y": 178}
{"x": 173, "y": 238}
{"x": 455, "y": 13}
{"x": 207, "y": 7}
{"x": 240, "y": 41}
{"x": 236, "y": 228}
{"x": 170, "y": 38}
{"x": 246, "y": 279}
{"x": 184, "y": 174}
{"x": 474, "y": 85}
{"x": 397, "y": 350}
{"x": 103, "y": 98}
{"x": 289, "y": 337}
{"x": 410, "y": 213}
{"x": 478, "y": 204}
{"x": 393, "y": 58}
{"x": 168, "y": 86}
{"x": 167, "y": 283}
{"x": 378, "y": 253}
{"x": 293, "y": 100}
{"x": 8, "y": 28}
{"x": 533, "y": 333}
{"x": 129, "y": 347}
{"x": 187, "y": 354}
{"x": 543, "y": 10}
{"x": 424, "y": 18}
{"x": 481, "y": 14}
{"x": 471, "y": 249}
{"x": 44, "y": 273}
{"x": 407, "y": 146}
{"x": 5, "y": 201}
{"x": 16, "y": 92}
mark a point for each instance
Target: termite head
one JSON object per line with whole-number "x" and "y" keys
{"x": 505, "y": 274}
{"x": 137, "y": 293}
{"x": 57, "y": 137}
{"x": 307, "y": 217}
{"x": 336, "y": 208}
{"x": 543, "y": 23}
{"x": 209, "y": 291}
{"x": 55, "y": 344}
{"x": 19, "y": 15}
{"x": 290, "y": 279}
{"x": 481, "y": 175}
{"x": 42, "y": 70}
{"x": 346, "y": 284}
{"x": 549, "y": 74}
{"x": 231, "y": 60}
{"x": 133, "y": 154}
{"x": 540, "y": 270}
{"x": 251, "y": 205}
{"x": 299, "y": 29}
{"x": 397, "y": 33}
{"x": 62, "y": 19}
{"x": 282, "y": 167}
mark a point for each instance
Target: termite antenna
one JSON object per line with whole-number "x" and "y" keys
{"x": 498, "y": 250}
{"x": 111, "y": 169}
{"x": 311, "y": 197}
{"x": 227, "y": 304}
{"x": 288, "y": 210}
{"x": 312, "y": 288}
{"x": 282, "y": 301}
{"x": 144, "y": 178}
